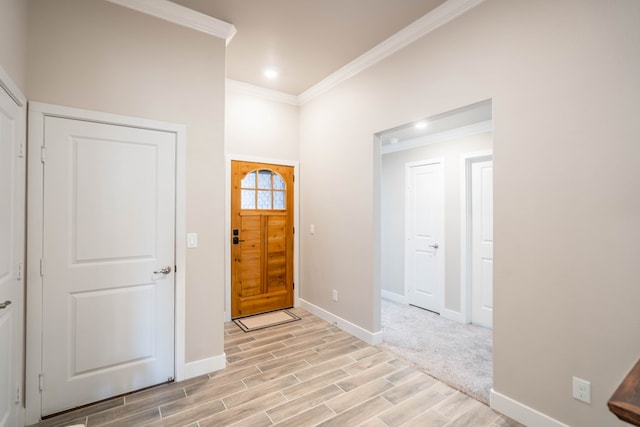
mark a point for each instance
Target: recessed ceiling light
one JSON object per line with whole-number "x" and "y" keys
{"x": 271, "y": 73}
{"x": 421, "y": 125}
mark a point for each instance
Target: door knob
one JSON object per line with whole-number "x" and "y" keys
{"x": 4, "y": 304}
{"x": 164, "y": 270}
{"x": 237, "y": 240}
{"x": 434, "y": 246}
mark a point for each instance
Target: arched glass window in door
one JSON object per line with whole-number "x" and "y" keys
{"x": 263, "y": 189}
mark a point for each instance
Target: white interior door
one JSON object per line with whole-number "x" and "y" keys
{"x": 12, "y": 193}
{"x": 109, "y": 230}
{"x": 482, "y": 243}
{"x": 424, "y": 250}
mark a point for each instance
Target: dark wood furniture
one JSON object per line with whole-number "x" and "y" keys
{"x": 625, "y": 402}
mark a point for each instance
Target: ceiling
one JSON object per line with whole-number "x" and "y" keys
{"x": 305, "y": 40}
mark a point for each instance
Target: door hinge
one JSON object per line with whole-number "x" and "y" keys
{"x": 294, "y": 286}
{"x": 42, "y": 153}
{"x": 18, "y": 396}
{"x": 41, "y": 382}
{"x": 294, "y": 230}
{"x": 175, "y": 268}
{"x": 20, "y": 267}
{"x": 41, "y": 267}
{"x": 21, "y": 149}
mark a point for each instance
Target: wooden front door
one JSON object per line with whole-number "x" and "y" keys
{"x": 261, "y": 238}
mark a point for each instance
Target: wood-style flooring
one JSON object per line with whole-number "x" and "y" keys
{"x": 304, "y": 373}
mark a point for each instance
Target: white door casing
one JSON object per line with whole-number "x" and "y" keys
{"x": 75, "y": 247}
{"x": 482, "y": 243}
{"x": 424, "y": 247}
{"x": 12, "y": 236}
{"x": 38, "y": 112}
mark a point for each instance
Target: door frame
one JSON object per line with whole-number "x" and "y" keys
{"x": 35, "y": 192}
{"x": 407, "y": 171}
{"x": 7, "y": 85}
{"x": 466, "y": 235}
{"x": 227, "y": 222}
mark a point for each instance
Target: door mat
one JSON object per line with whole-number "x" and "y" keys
{"x": 261, "y": 321}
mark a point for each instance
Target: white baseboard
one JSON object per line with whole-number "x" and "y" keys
{"x": 372, "y": 338}
{"x": 520, "y": 412}
{"x": 392, "y": 296}
{"x": 204, "y": 366}
{"x": 456, "y": 316}
{"x": 402, "y": 299}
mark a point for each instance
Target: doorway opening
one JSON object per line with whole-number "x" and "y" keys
{"x": 436, "y": 174}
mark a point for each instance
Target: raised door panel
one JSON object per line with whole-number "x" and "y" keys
{"x": 106, "y": 323}
{"x": 276, "y": 253}
{"x": 114, "y": 200}
{"x": 250, "y": 269}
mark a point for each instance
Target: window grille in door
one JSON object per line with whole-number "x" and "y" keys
{"x": 263, "y": 189}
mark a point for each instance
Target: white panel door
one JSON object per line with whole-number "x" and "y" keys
{"x": 12, "y": 193}
{"x": 424, "y": 255}
{"x": 482, "y": 243}
{"x": 109, "y": 229}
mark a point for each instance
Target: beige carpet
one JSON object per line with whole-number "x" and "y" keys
{"x": 261, "y": 321}
{"x": 456, "y": 354}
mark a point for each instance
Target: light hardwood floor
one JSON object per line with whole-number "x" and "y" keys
{"x": 304, "y": 373}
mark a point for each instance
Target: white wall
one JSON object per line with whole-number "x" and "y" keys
{"x": 563, "y": 78}
{"x": 100, "y": 56}
{"x": 13, "y": 40}
{"x": 258, "y": 127}
{"x": 393, "y": 192}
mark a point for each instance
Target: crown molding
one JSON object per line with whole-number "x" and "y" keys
{"x": 11, "y": 88}
{"x": 448, "y": 135}
{"x": 260, "y": 92}
{"x": 436, "y": 18}
{"x": 181, "y": 15}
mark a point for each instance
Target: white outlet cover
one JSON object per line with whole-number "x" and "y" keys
{"x": 582, "y": 390}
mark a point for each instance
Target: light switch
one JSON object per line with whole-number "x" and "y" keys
{"x": 192, "y": 240}
{"x": 312, "y": 229}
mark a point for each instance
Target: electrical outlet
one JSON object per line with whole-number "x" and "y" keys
{"x": 334, "y": 295}
{"x": 582, "y": 390}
